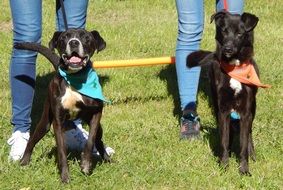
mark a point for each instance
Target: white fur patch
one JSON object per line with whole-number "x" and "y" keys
{"x": 68, "y": 48}
{"x": 70, "y": 99}
{"x": 235, "y": 62}
{"x": 235, "y": 85}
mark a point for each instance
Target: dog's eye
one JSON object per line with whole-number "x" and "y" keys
{"x": 87, "y": 38}
{"x": 64, "y": 37}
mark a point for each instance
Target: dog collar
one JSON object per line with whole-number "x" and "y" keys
{"x": 244, "y": 73}
{"x": 85, "y": 82}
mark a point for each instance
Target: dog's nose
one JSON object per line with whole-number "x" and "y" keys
{"x": 228, "y": 49}
{"x": 74, "y": 43}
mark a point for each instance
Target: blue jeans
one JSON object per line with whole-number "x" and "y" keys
{"x": 190, "y": 28}
{"x": 27, "y": 23}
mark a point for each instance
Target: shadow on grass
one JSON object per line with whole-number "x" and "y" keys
{"x": 211, "y": 135}
{"x": 168, "y": 74}
{"x": 74, "y": 156}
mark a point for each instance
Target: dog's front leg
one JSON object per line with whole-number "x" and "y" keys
{"x": 61, "y": 151}
{"x": 100, "y": 145}
{"x": 86, "y": 156}
{"x": 245, "y": 126}
{"x": 224, "y": 127}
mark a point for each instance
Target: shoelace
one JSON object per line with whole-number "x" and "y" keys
{"x": 191, "y": 117}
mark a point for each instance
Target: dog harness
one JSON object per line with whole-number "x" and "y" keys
{"x": 85, "y": 82}
{"x": 244, "y": 73}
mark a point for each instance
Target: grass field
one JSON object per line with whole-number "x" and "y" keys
{"x": 142, "y": 122}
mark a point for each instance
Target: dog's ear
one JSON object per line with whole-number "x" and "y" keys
{"x": 217, "y": 17}
{"x": 99, "y": 41}
{"x": 250, "y": 21}
{"x": 53, "y": 42}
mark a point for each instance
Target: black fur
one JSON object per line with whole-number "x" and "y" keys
{"x": 55, "y": 112}
{"x": 234, "y": 41}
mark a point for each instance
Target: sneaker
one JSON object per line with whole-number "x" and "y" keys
{"x": 76, "y": 139}
{"x": 190, "y": 126}
{"x": 18, "y": 142}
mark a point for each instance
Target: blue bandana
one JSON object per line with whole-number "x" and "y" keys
{"x": 85, "y": 82}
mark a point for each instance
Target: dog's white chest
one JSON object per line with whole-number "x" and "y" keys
{"x": 236, "y": 86}
{"x": 70, "y": 99}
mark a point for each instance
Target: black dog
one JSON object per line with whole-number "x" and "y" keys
{"x": 234, "y": 40}
{"x": 63, "y": 103}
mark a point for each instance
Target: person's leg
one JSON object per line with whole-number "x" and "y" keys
{"x": 190, "y": 28}
{"x": 26, "y": 17}
{"x": 233, "y": 6}
{"x": 76, "y": 13}
{"x": 26, "y": 28}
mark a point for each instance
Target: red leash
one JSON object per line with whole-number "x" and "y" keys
{"x": 225, "y": 4}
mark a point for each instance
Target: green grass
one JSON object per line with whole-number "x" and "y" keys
{"x": 142, "y": 123}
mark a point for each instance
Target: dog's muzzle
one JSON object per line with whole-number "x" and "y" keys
{"x": 228, "y": 51}
{"x": 74, "y": 56}
{"x": 75, "y": 60}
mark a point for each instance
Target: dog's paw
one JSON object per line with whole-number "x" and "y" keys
{"x": 64, "y": 174}
{"x": 86, "y": 164}
{"x": 65, "y": 178}
{"x": 244, "y": 169}
{"x": 224, "y": 164}
{"x": 106, "y": 158}
{"x": 224, "y": 160}
{"x": 25, "y": 161}
{"x": 245, "y": 172}
{"x": 85, "y": 167}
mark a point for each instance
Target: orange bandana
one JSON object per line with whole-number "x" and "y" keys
{"x": 244, "y": 73}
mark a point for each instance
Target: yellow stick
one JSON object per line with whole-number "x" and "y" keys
{"x": 134, "y": 62}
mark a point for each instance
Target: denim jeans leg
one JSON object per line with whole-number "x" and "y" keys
{"x": 26, "y": 16}
{"x": 190, "y": 27}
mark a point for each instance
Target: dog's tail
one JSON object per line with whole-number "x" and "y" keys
{"x": 200, "y": 58}
{"x": 46, "y": 52}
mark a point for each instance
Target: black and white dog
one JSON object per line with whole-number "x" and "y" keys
{"x": 65, "y": 101}
{"x": 234, "y": 81}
